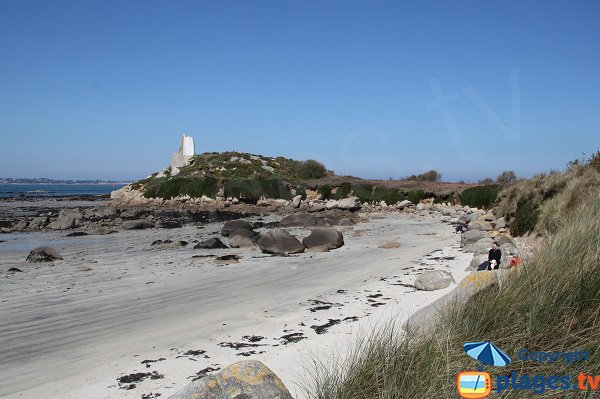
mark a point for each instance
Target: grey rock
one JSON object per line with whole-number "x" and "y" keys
{"x": 20, "y": 226}
{"x": 425, "y": 319}
{"x": 168, "y": 224}
{"x": 432, "y": 280}
{"x": 349, "y": 204}
{"x": 38, "y": 222}
{"x": 63, "y": 223}
{"x": 448, "y": 211}
{"x": 279, "y": 241}
{"x": 168, "y": 244}
{"x": 501, "y": 240}
{"x": 500, "y": 223}
{"x": 471, "y": 237}
{"x": 481, "y": 225}
{"x": 211, "y": 243}
{"x": 404, "y": 204}
{"x": 138, "y": 224}
{"x": 296, "y": 201}
{"x": 482, "y": 246}
{"x": 243, "y": 380}
{"x": 43, "y": 254}
{"x": 323, "y": 239}
{"x": 242, "y": 238}
{"x": 232, "y": 225}
{"x": 477, "y": 260}
{"x": 299, "y": 219}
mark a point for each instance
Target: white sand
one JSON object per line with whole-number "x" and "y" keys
{"x": 70, "y": 332}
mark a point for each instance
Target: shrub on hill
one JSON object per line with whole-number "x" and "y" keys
{"x": 167, "y": 188}
{"x": 480, "y": 196}
{"x": 310, "y": 169}
{"x": 251, "y": 190}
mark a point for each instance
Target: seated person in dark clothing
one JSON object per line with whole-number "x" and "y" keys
{"x": 493, "y": 261}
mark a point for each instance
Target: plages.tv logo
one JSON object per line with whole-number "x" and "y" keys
{"x": 478, "y": 384}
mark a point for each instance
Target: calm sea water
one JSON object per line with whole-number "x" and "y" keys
{"x": 55, "y": 190}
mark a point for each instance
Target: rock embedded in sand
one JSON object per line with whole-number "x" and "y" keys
{"x": 243, "y": 380}
{"x": 232, "y": 225}
{"x": 432, "y": 280}
{"x": 323, "y": 239}
{"x": 137, "y": 224}
{"x": 43, "y": 254}
{"x": 211, "y": 243}
{"x": 227, "y": 260}
{"x": 390, "y": 245}
{"x": 279, "y": 241}
{"x": 167, "y": 244}
{"x": 242, "y": 238}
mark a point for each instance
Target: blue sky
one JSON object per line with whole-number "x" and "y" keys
{"x": 379, "y": 89}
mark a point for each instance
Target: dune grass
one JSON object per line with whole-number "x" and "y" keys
{"x": 550, "y": 304}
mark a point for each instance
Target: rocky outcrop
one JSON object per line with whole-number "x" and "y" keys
{"x": 43, "y": 254}
{"x": 168, "y": 244}
{"x": 279, "y": 241}
{"x": 323, "y": 239}
{"x": 232, "y": 225}
{"x": 244, "y": 380}
{"x": 211, "y": 243}
{"x": 432, "y": 280}
{"x": 137, "y": 224}
{"x": 242, "y": 238}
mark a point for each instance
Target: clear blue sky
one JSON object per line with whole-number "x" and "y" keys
{"x": 103, "y": 89}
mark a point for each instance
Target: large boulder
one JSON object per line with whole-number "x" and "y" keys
{"x": 43, "y": 254}
{"x": 279, "y": 241}
{"x": 249, "y": 379}
{"x": 211, "y": 243}
{"x": 299, "y": 219}
{"x": 323, "y": 239}
{"x": 481, "y": 225}
{"x": 500, "y": 223}
{"x": 404, "y": 204}
{"x": 38, "y": 222}
{"x": 501, "y": 240}
{"x": 477, "y": 260}
{"x": 471, "y": 237}
{"x": 138, "y": 224}
{"x": 424, "y": 320}
{"x": 242, "y": 238}
{"x": 349, "y": 204}
{"x": 432, "y": 280}
{"x": 448, "y": 211}
{"x": 232, "y": 225}
{"x": 296, "y": 201}
{"x": 20, "y": 226}
{"x": 482, "y": 246}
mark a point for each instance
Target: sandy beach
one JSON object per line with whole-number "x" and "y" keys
{"x": 115, "y": 306}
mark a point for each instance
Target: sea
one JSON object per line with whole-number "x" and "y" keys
{"x": 55, "y": 190}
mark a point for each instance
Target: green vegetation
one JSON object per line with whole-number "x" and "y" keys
{"x": 324, "y": 192}
{"x": 525, "y": 218}
{"x": 550, "y": 196}
{"x": 550, "y": 304}
{"x": 432, "y": 175}
{"x": 480, "y": 196}
{"x": 506, "y": 177}
{"x": 310, "y": 169}
{"x": 343, "y": 191}
{"x": 250, "y": 190}
{"x": 415, "y": 196}
{"x": 172, "y": 187}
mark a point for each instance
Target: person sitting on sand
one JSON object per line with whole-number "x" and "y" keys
{"x": 461, "y": 228}
{"x": 493, "y": 261}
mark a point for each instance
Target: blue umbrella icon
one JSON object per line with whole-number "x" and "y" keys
{"x": 487, "y": 353}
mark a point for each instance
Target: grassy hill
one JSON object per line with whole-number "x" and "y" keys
{"x": 249, "y": 177}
